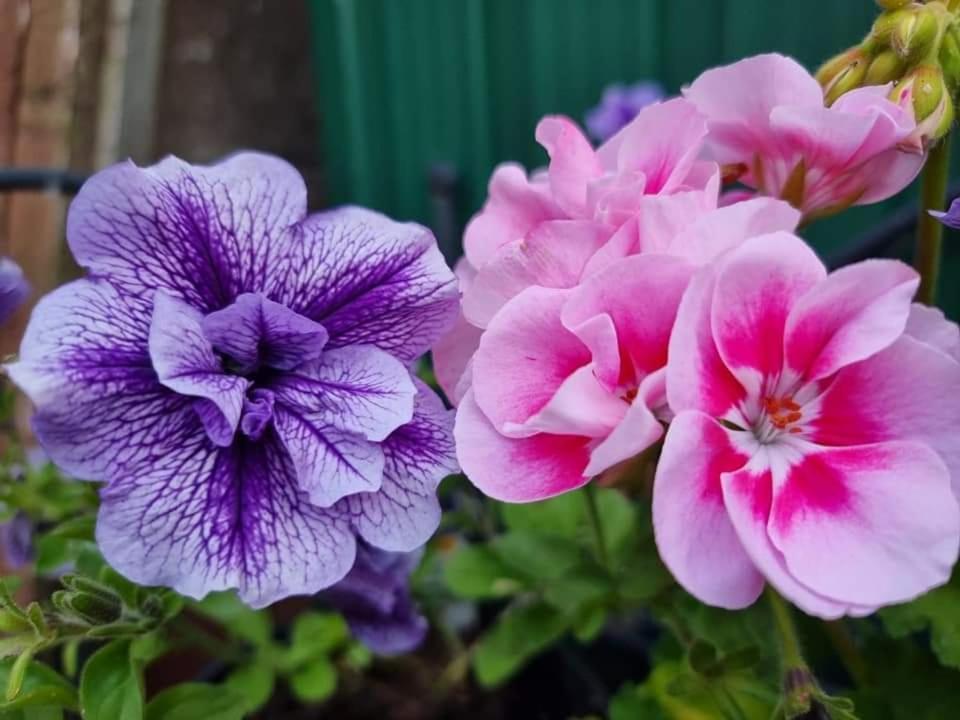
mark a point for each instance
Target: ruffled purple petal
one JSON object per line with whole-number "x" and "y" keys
{"x": 368, "y": 280}
{"x": 203, "y": 518}
{"x": 950, "y": 218}
{"x": 329, "y": 464}
{"x": 358, "y": 389}
{"x": 13, "y": 288}
{"x": 404, "y": 513}
{"x": 185, "y": 362}
{"x": 206, "y": 234}
{"x": 84, "y": 364}
{"x": 255, "y": 331}
{"x": 375, "y": 600}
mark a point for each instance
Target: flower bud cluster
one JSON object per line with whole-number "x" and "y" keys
{"x": 915, "y": 46}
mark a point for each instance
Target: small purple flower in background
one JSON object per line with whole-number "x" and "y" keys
{"x": 13, "y": 288}
{"x": 236, "y": 373}
{"x": 618, "y": 106}
{"x": 375, "y": 600}
{"x": 16, "y": 540}
{"x": 950, "y": 218}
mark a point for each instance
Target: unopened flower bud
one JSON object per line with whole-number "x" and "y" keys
{"x": 884, "y": 68}
{"x": 847, "y": 79}
{"x": 837, "y": 64}
{"x": 94, "y": 609}
{"x": 884, "y": 25}
{"x": 924, "y": 87}
{"x": 914, "y": 35}
{"x": 893, "y": 4}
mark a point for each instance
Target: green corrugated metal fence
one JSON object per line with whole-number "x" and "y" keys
{"x": 405, "y": 85}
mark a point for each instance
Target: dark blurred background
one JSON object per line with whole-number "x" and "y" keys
{"x": 401, "y": 105}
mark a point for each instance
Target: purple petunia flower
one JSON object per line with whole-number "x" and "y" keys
{"x": 13, "y": 288}
{"x": 375, "y": 600}
{"x": 618, "y": 106}
{"x": 236, "y": 373}
{"x": 950, "y": 218}
{"x": 16, "y": 541}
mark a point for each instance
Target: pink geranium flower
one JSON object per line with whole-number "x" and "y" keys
{"x": 568, "y": 382}
{"x": 770, "y": 129}
{"x": 815, "y": 436}
{"x": 542, "y": 230}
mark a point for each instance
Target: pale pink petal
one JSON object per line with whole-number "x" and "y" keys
{"x": 757, "y": 285}
{"x": 908, "y": 391}
{"x": 453, "y": 352}
{"x": 614, "y": 198}
{"x": 930, "y": 326}
{"x": 713, "y": 233}
{"x": 515, "y": 206}
{"x": 856, "y": 312}
{"x": 748, "y": 90}
{"x": 451, "y": 358}
{"x": 697, "y": 378}
{"x": 873, "y": 524}
{"x": 889, "y": 172}
{"x": 516, "y": 470}
{"x": 636, "y": 431}
{"x": 747, "y": 495}
{"x": 641, "y": 295}
{"x": 694, "y": 535}
{"x": 573, "y": 162}
{"x": 662, "y": 142}
{"x": 552, "y": 255}
{"x": 524, "y": 356}
{"x": 600, "y": 335}
{"x": 738, "y": 99}
{"x": 580, "y": 406}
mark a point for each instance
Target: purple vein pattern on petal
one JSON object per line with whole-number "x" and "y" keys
{"x": 237, "y": 376}
{"x": 368, "y": 280}
{"x": 204, "y": 518}
{"x": 185, "y": 362}
{"x": 206, "y": 234}
{"x": 404, "y": 513}
{"x": 255, "y": 331}
{"x": 84, "y": 363}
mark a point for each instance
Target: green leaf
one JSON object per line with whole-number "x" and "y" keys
{"x": 251, "y": 625}
{"x": 110, "y": 687}
{"x": 589, "y": 624}
{"x": 519, "y": 633}
{"x": 582, "y": 587}
{"x": 254, "y": 682}
{"x": 41, "y": 686}
{"x": 197, "y": 701}
{"x": 78, "y": 528}
{"x": 633, "y": 703}
{"x": 539, "y": 558}
{"x": 315, "y": 635}
{"x": 315, "y": 682}
{"x": 475, "y": 572}
{"x": 938, "y": 611}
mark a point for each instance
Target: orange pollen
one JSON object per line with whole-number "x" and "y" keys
{"x": 732, "y": 172}
{"x": 782, "y": 412}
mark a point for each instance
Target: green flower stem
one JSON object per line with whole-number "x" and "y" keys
{"x": 852, "y": 660}
{"x": 790, "y": 652}
{"x": 593, "y": 513}
{"x": 933, "y": 196}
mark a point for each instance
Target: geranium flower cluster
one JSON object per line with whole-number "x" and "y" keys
{"x": 621, "y": 297}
